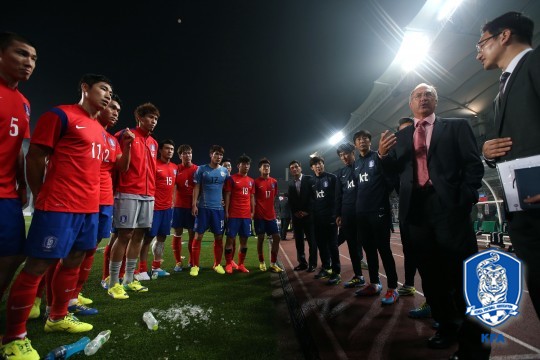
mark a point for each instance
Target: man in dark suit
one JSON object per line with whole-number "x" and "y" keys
{"x": 440, "y": 171}
{"x": 301, "y": 204}
{"x": 506, "y": 44}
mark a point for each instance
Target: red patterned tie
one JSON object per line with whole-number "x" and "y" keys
{"x": 420, "y": 150}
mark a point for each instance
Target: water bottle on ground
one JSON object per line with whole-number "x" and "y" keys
{"x": 66, "y": 351}
{"x": 150, "y": 321}
{"x": 94, "y": 345}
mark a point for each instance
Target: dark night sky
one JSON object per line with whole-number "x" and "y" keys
{"x": 268, "y": 78}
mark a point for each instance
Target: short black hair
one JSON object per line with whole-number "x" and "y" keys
{"x": 166, "y": 142}
{"x": 315, "y": 160}
{"x": 405, "y": 120}
{"x": 243, "y": 159}
{"x": 91, "y": 79}
{"x": 346, "y": 148}
{"x": 295, "y": 162}
{"x": 224, "y": 160}
{"x": 217, "y": 148}
{"x": 361, "y": 133}
{"x": 264, "y": 161}
{"x": 7, "y": 38}
{"x": 520, "y": 26}
{"x": 116, "y": 98}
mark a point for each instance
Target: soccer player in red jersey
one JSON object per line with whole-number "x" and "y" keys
{"x": 64, "y": 225}
{"x": 266, "y": 190}
{"x": 163, "y": 212}
{"x": 239, "y": 207}
{"x": 182, "y": 216}
{"x": 17, "y": 62}
{"x": 134, "y": 202}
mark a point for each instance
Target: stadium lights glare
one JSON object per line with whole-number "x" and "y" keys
{"x": 413, "y": 51}
{"x": 447, "y": 9}
{"x": 334, "y": 139}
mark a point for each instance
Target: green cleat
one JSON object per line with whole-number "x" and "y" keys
{"x": 35, "y": 311}
{"x": 68, "y": 324}
{"x": 117, "y": 292}
{"x": 194, "y": 271}
{"x": 262, "y": 266}
{"x": 135, "y": 286}
{"x": 219, "y": 269}
{"x": 19, "y": 350}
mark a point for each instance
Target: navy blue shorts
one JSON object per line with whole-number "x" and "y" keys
{"x": 161, "y": 223}
{"x": 12, "y": 231}
{"x": 53, "y": 235}
{"x": 238, "y": 226}
{"x": 266, "y": 226}
{"x": 182, "y": 218}
{"x": 105, "y": 221}
{"x": 210, "y": 219}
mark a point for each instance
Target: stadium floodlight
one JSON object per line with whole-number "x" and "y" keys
{"x": 413, "y": 50}
{"x": 447, "y": 9}
{"x": 334, "y": 139}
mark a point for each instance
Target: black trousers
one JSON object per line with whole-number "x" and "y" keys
{"x": 374, "y": 235}
{"x": 326, "y": 239}
{"x": 303, "y": 227}
{"x": 524, "y": 231}
{"x": 349, "y": 232}
{"x": 442, "y": 239}
{"x": 284, "y": 226}
{"x": 408, "y": 254}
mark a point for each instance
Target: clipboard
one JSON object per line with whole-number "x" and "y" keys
{"x": 507, "y": 175}
{"x": 528, "y": 184}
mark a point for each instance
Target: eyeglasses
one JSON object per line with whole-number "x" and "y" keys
{"x": 426, "y": 94}
{"x": 481, "y": 43}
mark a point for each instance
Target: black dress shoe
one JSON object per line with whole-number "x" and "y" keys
{"x": 311, "y": 268}
{"x": 455, "y": 356}
{"x": 301, "y": 267}
{"x": 441, "y": 341}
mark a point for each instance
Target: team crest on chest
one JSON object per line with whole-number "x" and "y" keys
{"x": 27, "y": 110}
{"x": 371, "y": 163}
{"x": 111, "y": 143}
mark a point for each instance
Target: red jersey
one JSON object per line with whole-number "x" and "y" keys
{"x": 72, "y": 178}
{"x": 140, "y": 179}
{"x": 111, "y": 150}
{"x": 241, "y": 189}
{"x": 14, "y": 120}
{"x": 165, "y": 176}
{"x": 266, "y": 191}
{"x": 184, "y": 186}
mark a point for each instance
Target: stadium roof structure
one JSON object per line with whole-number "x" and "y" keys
{"x": 464, "y": 88}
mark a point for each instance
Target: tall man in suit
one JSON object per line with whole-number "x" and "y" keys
{"x": 301, "y": 203}
{"x": 440, "y": 170}
{"x": 505, "y": 44}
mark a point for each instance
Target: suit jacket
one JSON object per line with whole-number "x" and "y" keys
{"x": 518, "y": 114}
{"x": 454, "y": 164}
{"x": 304, "y": 201}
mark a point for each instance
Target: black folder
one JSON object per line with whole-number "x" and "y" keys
{"x": 528, "y": 184}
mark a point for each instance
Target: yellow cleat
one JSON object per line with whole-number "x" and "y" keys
{"x": 19, "y": 350}
{"x": 84, "y": 300}
{"x": 262, "y": 266}
{"x": 194, "y": 271}
{"x": 219, "y": 269}
{"x": 118, "y": 292}
{"x": 68, "y": 324}
{"x": 136, "y": 286}
{"x": 34, "y": 313}
{"x": 275, "y": 269}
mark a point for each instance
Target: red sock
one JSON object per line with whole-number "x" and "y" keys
{"x": 48, "y": 281}
{"x": 106, "y": 261}
{"x": 218, "y": 252}
{"x": 143, "y": 266}
{"x": 190, "y": 245}
{"x": 19, "y": 303}
{"x": 156, "y": 264}
{"x": 64, "y": 280}
{"x": 41, "y": 287}
{"x": 177, "y": 248}
{"x": 228, "y": 256}
{"x": 242, "y": 256}
{"x": 273, "y": 257}
{"x": 84, "y": 271}
{"x": 196, "y": 252}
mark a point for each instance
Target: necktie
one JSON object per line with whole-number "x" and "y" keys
{"x": 420, "y": 150}
{"x": 502, "y": 81}
{"x": 297, "y": 183}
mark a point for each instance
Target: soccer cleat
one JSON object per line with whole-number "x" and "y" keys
{"x": 391, "y": 297}
{"x": 105, "y": 283}
{"x": 219, "y": 269}
{"x": 275, "y": 269}
{"x": 334, "y": 279}
{"x": 34, "y": 312}
{"x": 19, "y": 350}
{"x": 83, "y": 310}
{"x": 242, "y": 268}
{"x": 135, "y": 286}
{"x": 323, "y": 274}
{"x": 178, "y": 267}
{"x": 370, "y": 290}
{"x": 68, "y": 324}
{"x": 194, "y": 271}
{"x": 84, "y": 300}
{"x": 262, "y": 266}
{"x": 228, "y": 269}
{"x": 356, "y": 281}
{"x": 363, "y": 264}
{"x": 406, "y": 290}
{"x": 160, "y": 272}
{"x": 118, "y": 292}
{"x": 234, "y": 265}
{"x": 421, "y": 312}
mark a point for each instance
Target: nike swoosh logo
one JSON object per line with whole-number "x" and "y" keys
{"x": 21, "y": 307}
{"x": 69, "y": 290}
{"x": 80, "y": 127}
